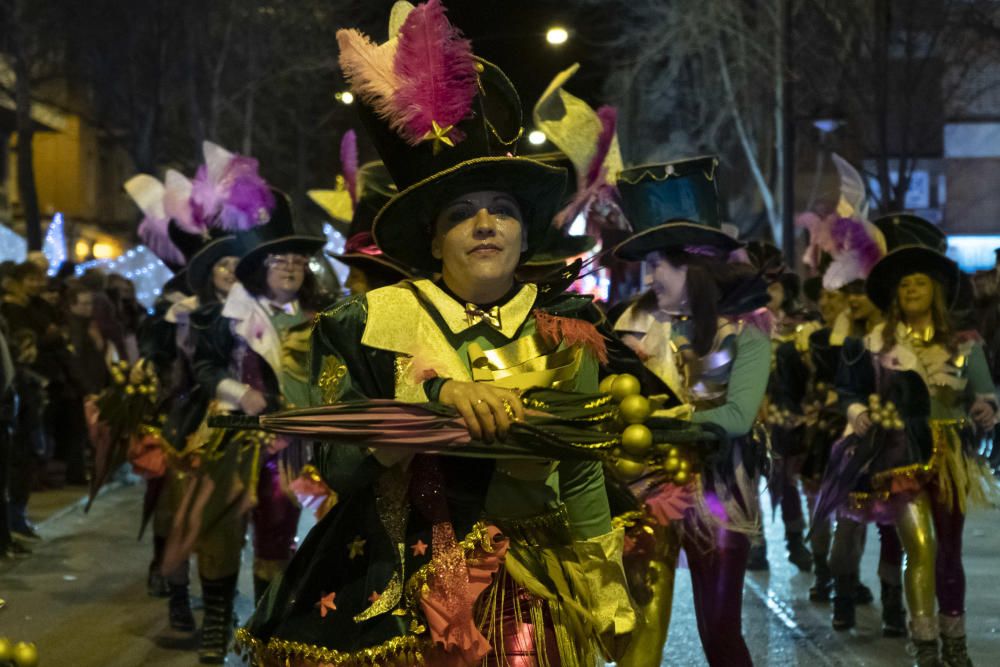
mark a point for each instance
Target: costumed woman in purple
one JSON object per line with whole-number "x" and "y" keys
{"x": 917, "y": 391}
{"x": 703, "y": 330}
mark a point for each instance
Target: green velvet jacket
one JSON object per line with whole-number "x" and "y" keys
{"x": 403, "y": 342}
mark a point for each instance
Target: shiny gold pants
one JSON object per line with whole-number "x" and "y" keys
{"x": 645, "y": 649}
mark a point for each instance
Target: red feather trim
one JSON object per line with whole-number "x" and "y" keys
{"x": 572, "y": 331}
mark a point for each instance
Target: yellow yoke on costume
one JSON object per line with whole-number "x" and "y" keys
{"x": 561, "y": 548}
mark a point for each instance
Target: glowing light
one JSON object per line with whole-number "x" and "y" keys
{"x": 54, "y": 246}
{"x": 141, "y": 266}
{"x": 103, "y": 250}
{"x": 81, "y": 250}
{"x": 537, "y": 138}
{"x": 557, "y": 35}
{"x": 346, "y": 97}
{"x": 13, "y": 248}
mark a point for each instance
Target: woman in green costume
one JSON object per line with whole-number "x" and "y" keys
{"x": 441, "y": 560}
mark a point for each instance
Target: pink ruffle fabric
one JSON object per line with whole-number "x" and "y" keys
{"x": 145, "y": 453}
{"x": 670, "y": 502}
{"x": 450, "y": 622}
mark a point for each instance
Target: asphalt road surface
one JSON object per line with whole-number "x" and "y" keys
{"x": 82, "y": 599}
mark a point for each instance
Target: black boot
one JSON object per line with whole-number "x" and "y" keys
{"x": 862, "y": 594}
{"x": 217, "y": 628}
{"x": 926, "y": 653}
{"x": 844, "y": 589}
{"x": 823, "y": 584}
{"x": 156, "y": 583}
{"x": 181, "y": 618}
{"x": 798, "y": 554}
{"x": 757, "y": 561}
{"x": 893, "y": 611}
{"x": 954, "y": 652}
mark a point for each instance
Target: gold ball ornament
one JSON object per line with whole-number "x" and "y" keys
{"x": 25, "y": 654}
{"x": 637, "y": 439}
{"x": 605, "y": 386}
{"x": 624, "y": 385}
{"x": 635, "y": 409}
{"x": 681, "y": 478}
{"x": 628, "y": 469}
{"x": 6, "y": 649}
{"x": 671, "y": 464}
{"x": 674, "y": 452}
{"x": 685, "y": 465}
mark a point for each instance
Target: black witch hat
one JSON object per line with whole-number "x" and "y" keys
{"x": 445, "y": 123}
{"x": 277, "y": 236}
{"x": 900, "y": 229}
{"x": 905, "y": 261}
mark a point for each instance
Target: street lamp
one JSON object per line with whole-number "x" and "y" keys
{"x": 536, "y": 137}
{"x": 557, "y": 35}
{"x": 346, "y": 97}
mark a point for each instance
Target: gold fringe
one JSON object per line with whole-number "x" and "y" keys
{"x": 958, "y": 477}
{"x": 398, "y": 652}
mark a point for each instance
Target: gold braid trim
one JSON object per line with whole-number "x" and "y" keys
{"x": 405, "y": 650}
{"x": 921, "y": 471}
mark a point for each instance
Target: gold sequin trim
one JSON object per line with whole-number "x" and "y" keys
{"x": 404, "y": 650}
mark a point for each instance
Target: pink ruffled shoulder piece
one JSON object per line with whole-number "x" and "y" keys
{"x": 452, "y": 626}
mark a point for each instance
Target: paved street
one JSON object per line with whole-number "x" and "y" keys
{"x": 82, "y": 599}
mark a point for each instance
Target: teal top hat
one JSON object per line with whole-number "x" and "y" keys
{"x": 442, "y": 132}
{"x": 901, "y": 229}
{"x": 672, "y": 205}
{"x": 277, "y": 236}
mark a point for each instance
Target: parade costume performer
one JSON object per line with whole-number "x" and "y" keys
{"x": 360, "y": 195}
{"x": 925, "y": 386}
{"x": 448, "y": 561}
{"x": 203, "y": 264}
{"x": 842, "y": 249}
{"x": 786, "y": 387}
{"x": 703, "y": 330}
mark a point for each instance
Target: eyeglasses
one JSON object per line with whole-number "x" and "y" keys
{"x": 287, "y": 262}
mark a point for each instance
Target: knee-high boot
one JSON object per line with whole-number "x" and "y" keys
{"x": 217, "y": 628}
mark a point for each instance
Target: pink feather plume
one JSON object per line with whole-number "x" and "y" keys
{"x": 437, "y": 73}
{"x": 349, "y": 163}
{"x": 609, "y": 119}
{"x": 369, "y": 69}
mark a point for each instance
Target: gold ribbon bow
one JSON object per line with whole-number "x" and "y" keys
{"x": 475, "y": 314}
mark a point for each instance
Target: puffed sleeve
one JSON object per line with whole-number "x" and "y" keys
{"x": 980, "y": 381}
{"x": 747, "y": 384}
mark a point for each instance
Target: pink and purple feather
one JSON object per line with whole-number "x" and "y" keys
{"x": 349, "y": 163}
{"x": 437, "y": 74}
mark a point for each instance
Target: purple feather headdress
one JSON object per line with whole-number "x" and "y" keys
{"x": 148, "y": 194}
{"x": 421, "y": 82}
{"x": 853, "y": 245}
{"x": 229, "y": 193}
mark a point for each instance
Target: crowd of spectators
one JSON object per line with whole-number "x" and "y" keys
{"x": 58, "y": 335}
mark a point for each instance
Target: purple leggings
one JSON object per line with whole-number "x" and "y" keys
{"x": 717, "y": 583}
{"x": 949, "y": 574}
{"x": 275, "y": 517}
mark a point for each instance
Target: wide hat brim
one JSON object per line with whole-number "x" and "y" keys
{"x": 674, "y": 234}
{"x": 403, "y": 228}
{"x": 565, "y": 248}
{"x": 299, "y": 245}
{"x": 364, "y": 261}
{"x": 885, "y": 276}
{"x": 199, "y": 269}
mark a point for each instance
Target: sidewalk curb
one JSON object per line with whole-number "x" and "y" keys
{"x": 110, "y": 487}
